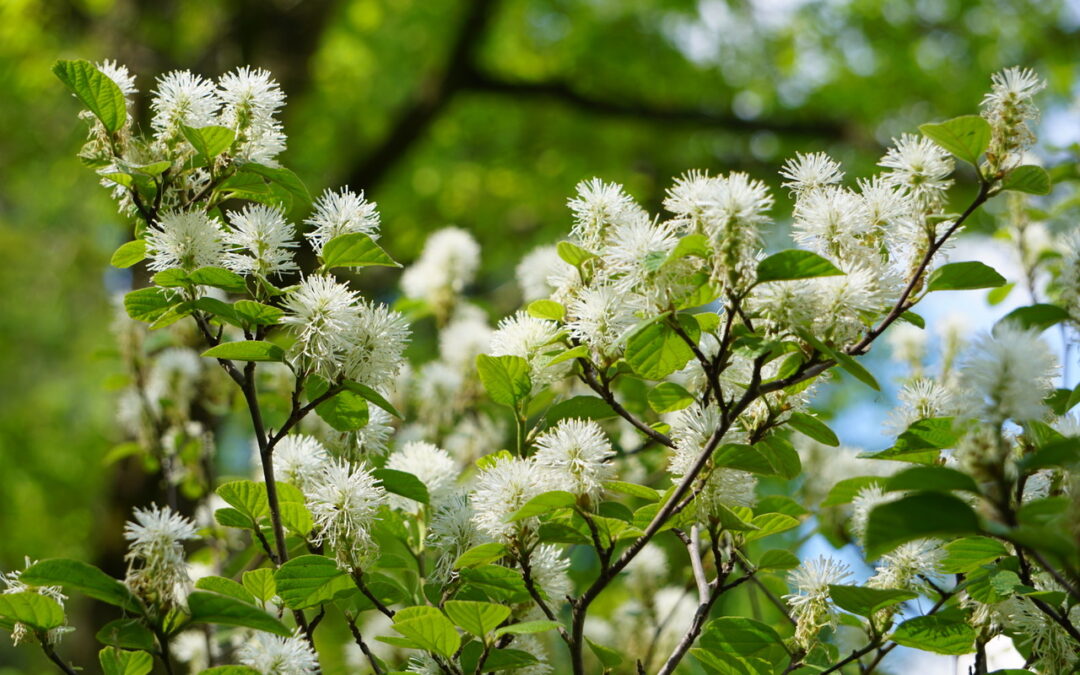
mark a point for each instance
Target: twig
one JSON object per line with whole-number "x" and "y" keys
{"x": 54, "y": 657}
{"x": 358, "y": 579}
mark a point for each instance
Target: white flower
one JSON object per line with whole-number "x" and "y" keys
{"x": 577, "y": 456}
{"x": 299, "y": 458}
{"x": 806, "y": 172}
{"x": 157, "y": 572}
{"x": 12, "y": 583}
{"x": 1007, "y": 108}
{"x": 842, "y": 303}
{"x": 907, "y": 343}
{"x": 261, "y": 239}
{"x": 920, "y": 399}
{"x": 321, "y": 313}
{"x": 883, "y": 205}
{"x": 548, "y": 570}
{"x": 452, "y": 532}
{"x": 276, "y": 655}
{"x": 376, "y": 345}
{"x": 500, "y": 490}
{"x": 597, "y": 206}
{"x": 600, "y": 316}
{"x": 1007, "y": 374}
{"x": 185, "y": 239}
{"x": 732, "y": 225}
{"x": 864, "y": 502}
{"x": 908, "y": 566}
{"x": 341, "y": 212}
{"x": 431, "y": 464}
{"x": 919, "y": 166}
{"x": 445, "y": 267}
{"x": 466, "y": 336}
{"x": 692, "y": 196}
{"x": 1055, "y": 649}
{"x": 343, "y": 501}
{"x": 691, "y": 430}
{"x": 183, "y": 98}
{"x": 829, "y": 221}
{"x": 540, "y": 273}
{"x": 810, "y": 605}
{"x": 531, "y": 339}
{"x": 251, "y": 99}
{"x": 120, "y": 75}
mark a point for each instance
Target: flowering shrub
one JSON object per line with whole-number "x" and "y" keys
{"x": 603, "y": 479}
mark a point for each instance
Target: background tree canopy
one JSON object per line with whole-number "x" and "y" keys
{"x": 479, "y": 113}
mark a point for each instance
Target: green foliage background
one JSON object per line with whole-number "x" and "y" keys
{"x": 478, "y": 113}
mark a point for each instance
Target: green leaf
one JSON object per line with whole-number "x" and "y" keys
{"x": 402, "y": 483}
{"x": 777, "y": 559}
{"x": 607, "y": 656}
{"x": 293, "y": 194}
{"x": 964, "y": 276}
{"x": 122, "y": 662}
{"x": 127, "y": 634}
{"x": 498, "y": 582}
{"x": 208, "y": 607}
{"x": 744, "y": 637}
{"x": 781, "y": 455}
{"x": 1028, "y": 178}
{"x": 39, "y": 612}
{"x": 295, "y": 517}
{"x": 968, "y": 554}
{"x": 669, "y": 397}
{"x": 575, "y": 255}
{"x": 655, "y": 350}
{"x": 867, "y": 601}
{"x": 75, "y": 575}
{"x": 690, "y": 245}
{"x": 248, "y": 497}
{"x": 925, "y": 514}
{"x": 547, "y": 309}
{"x": 218, "y": 277}
{"x": 633, "y": 490}
{"x": 506, "y": 378}
{"x": 480, "y": 555}
{"x": 579, "y": 352}
{"x": 965, "y": 137}
{"x": 148, "y": 304}
{"x": 843, "y": 360}
{"x": 310, "y": 580}
{"x": 844, "y": 491}
{"x": 507, "y": 659}
{"x": 96, "y": 90}
{"x": 225, "y": 587}
{"x": 936, "y": 633}
{"x": 432, "y": 632}
{"x": 742, "y": 457}
{"x": 938, "y": 478}
{"x": 1063, "y": 452}
{"x": 260, "y": 583}
{"x": 794, "y": 264}
{"x": 731, "y": 664}
{"x": 209, "y": 141}
{"x": 479, "y": 618}
{"x": 246, "y": 350}
{"x": 355, "y": 249}
{"x": 128, "y": 254}
{"x": 921, "y": 442}
{"x": 372, "y": 396}
{"x": 771, "y": 523}
{"x": 581, "y": 407}
{"x": 345, "y": 411}
{"x": 233, "y": 518}
{"x": 1040, "y": 316}
{"x": 527, "y": 627}
{"x": 914, "y": 319}
{"x": 543, "y": 504}
{"x": 808, "y": 425}
{"x": 256, "y": 313}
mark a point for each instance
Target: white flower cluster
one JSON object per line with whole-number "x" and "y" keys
{"x": 344, "y": 501}
{"x": 341, "y": 335}
{"x": 12, "y": 583}
{"x": 276, "y": 655}
{"x": 446, "y": 266}
{"x": 244, "y": 101}
{"x": 811, "y": 606}
{"x": 157, "y": 572}
{"x": 1008, "y": 107}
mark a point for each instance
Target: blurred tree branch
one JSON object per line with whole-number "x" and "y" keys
{"x": 462, "y": 74}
